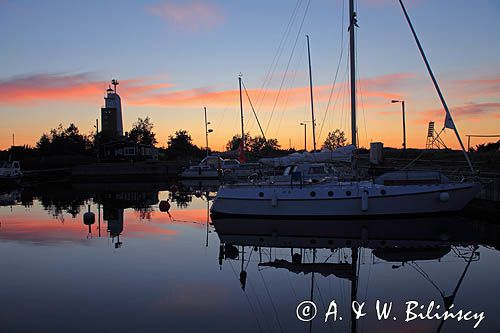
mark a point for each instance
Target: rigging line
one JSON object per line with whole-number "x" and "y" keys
{"x": 291, "y": 285}
{"x": 254, "y": 113}
{"x": 345, "y": 92}
{"x": 358, "y": 87}
{"x": 288, "y": 64}
{"x": 221, "y": 119}
{"x": 289, "y": 93}
{"x": 272, "y": 303}
{"x": 338, "y": 66}
{"x": 247, "y": 298}
{"x": 261, "y": 308}
{"x": 279, "y": 52}
{"x": 331, "y": 91}
{"x": 426, "y": 276}
{"x": 322, "y": 299}
{"x": 340, "y": 93}
{"x": 277, "y": 55}
{"x": 248, "y": 261}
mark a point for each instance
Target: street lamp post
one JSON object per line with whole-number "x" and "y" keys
{"x": 207, "y": 130}
{"x": 404, "y": 121}
{"x": 305, "y": 135}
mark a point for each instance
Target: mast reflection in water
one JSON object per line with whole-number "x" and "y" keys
{"x": 337, "y": 250}
{"x": 149, "y": 257}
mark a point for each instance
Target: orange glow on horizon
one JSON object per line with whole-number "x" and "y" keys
{"x": 291, "y": 106}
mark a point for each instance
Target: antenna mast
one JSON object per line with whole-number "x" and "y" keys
{"x": 115, "y": 83}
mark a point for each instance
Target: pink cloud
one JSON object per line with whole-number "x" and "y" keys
{"x": 378, "y": 90}
{"x": 190, "y": 16}
{"x": 478, "y": 87}
{"x": 469, "y": 111}
{"x": 33, "y": 89}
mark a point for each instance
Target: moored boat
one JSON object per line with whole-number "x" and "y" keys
{"x": 342, "y": 199}
{"x": 10, "y": 173}
{"x": 401, "y": 193}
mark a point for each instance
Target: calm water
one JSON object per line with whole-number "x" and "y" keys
{"x": 140, "y": 269}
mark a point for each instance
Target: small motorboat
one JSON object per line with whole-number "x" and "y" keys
{"x": 10, "y": 173}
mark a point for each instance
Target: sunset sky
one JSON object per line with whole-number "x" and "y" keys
{"x": 174, "y": 57}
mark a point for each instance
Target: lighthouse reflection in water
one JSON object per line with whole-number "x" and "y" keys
{"x": 149, "y": 255}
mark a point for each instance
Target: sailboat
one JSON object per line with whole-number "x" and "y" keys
{"x": 401, "y": 193}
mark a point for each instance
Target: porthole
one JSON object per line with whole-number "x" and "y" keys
{"x": 330, "y": 193}
{"x": 261, "y": 194}
{"x": 383, "y": 192}
{"x": 348, "y": 193}
{"x": 312, "y": 194}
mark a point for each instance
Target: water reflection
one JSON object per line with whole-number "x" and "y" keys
{"x": 112, "y": 204}
{"x": 154, "y": 241}
{"x": 338, "y": 249}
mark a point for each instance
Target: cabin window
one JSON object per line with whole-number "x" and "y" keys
{"x": 261, "y": 194}
{"x": 312, "y": 194}
{"x": 348, "y": 193}
{"x": 330, "y": 193}
{"x": 316, "y": 170}
{"x": 383, "y": 192}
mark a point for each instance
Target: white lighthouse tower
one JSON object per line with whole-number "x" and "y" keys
{"x": 111, "y": 113}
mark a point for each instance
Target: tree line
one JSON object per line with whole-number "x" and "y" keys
{"x": 71, "y": 141}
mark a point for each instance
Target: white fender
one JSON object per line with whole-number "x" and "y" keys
{"x": 444, "y": 196}
{"x": 274, "y": 200}
{"x": 364, "y": 200}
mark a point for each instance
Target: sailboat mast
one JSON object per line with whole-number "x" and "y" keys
{"x": 436, "y": 85}
{"x": 352, "y": 51}
{"x": 354, "y": 286}
{"x": 312, "y": 99}
{"x": 241, "y": 110}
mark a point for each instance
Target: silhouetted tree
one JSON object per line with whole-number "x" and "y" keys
{"x": 142, "y": 132}
{"x": 254, "y": 146}
{"x": 181, "y": 145}
{"x": 259, "y": 144}
{"x": 335, "y": 139}
{"x": 487, "y": 147}
{"x": 235, "y": 141}
{"x": 64, "y": 141}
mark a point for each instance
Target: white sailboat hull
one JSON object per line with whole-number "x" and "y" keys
{"x": 340, "y": 200}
